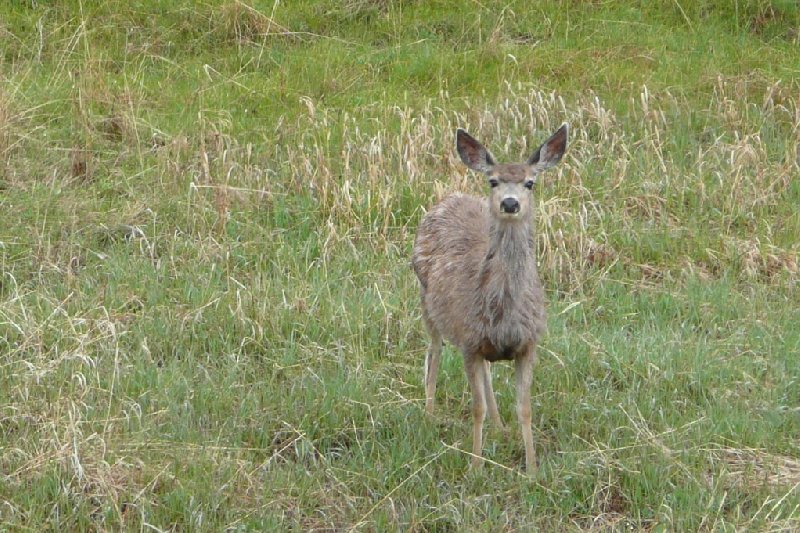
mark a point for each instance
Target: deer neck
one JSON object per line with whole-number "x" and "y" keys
{"x": 508, "y": 270}
{"x": 510, "y": 249}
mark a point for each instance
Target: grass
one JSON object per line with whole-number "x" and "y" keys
{"x": 207, "y": 316}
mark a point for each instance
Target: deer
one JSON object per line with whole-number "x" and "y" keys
{"x": 480, "y": 289}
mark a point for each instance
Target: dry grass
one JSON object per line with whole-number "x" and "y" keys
{"x": 754, "y": 468}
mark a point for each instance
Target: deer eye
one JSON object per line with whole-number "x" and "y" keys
{"x": 493, "y": 183}
{"x": 529, "y": 184}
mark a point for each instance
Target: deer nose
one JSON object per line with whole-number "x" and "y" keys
{"x": 509, "y": 205}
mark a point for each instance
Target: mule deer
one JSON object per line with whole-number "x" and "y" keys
{"x": 480, "y": 289}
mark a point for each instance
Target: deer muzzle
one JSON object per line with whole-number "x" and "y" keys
{"x": 510, "y": 206}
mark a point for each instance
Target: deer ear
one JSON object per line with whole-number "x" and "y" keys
{"x": 550, "y": 152}
{"x": 473, "y": 153}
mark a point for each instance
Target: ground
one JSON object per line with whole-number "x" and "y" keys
{"x": 208, "y": 320}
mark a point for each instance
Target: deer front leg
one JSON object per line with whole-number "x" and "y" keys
{"x": 524, "y": 376}
{"x": 476, "y": 369}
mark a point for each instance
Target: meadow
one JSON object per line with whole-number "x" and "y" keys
{"x": 208, "y": 319}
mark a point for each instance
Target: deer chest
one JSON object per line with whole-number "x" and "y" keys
{"x": 496, "y": 351}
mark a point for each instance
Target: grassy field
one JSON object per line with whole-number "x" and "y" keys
{"x": 208, "y": 320}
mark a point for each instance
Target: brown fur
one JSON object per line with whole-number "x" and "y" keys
{"x": 479, "y": 285}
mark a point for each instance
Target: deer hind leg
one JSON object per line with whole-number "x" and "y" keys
{"x": 491, "y": 402}
{"x": 476, "y": 370}
{"x": 524, "y": 376}
{"x": 432, "y": 359}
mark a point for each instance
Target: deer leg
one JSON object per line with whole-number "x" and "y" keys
{"x": 491, "y": 402}
{"x": 476, "y": 369}
{"x": 524, "y": 376}
{"x": 432, "y": 359}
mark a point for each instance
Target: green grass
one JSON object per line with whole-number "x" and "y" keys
{"x": 207, "y": 316}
